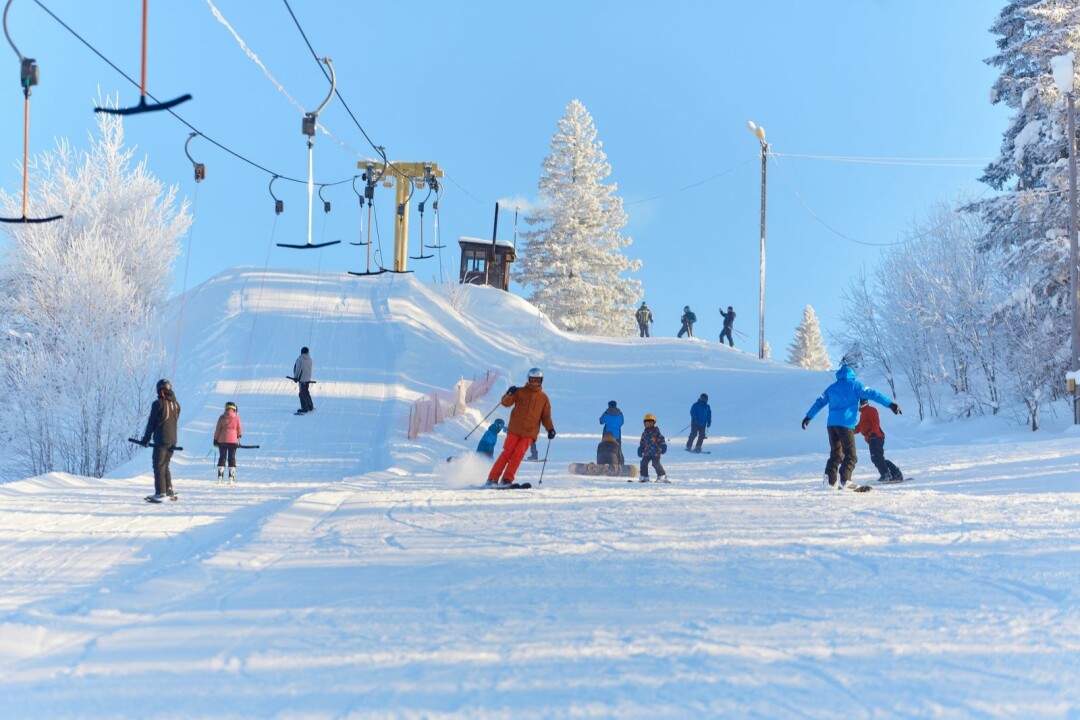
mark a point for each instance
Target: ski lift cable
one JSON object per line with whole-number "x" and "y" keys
{"x": 269, "y": 76}
{"x": 817, "y": 217}
{"x": 380, "y": 149}
{"x": 693, "y": 185}
{"x": 187, "y": 265}
{"x": 28, "y": 76}
{"x": 172, "y": 112}
{"x": 143, "y": 106}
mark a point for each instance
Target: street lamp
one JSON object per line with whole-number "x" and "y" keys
{"x": 759, "y": 133}
{"x": 1063, "y": 70}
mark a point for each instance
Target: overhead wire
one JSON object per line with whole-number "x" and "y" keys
{"x": 172, "y": 112}
{"x": 381, "y": 150}
{"x": 900, "y": 161}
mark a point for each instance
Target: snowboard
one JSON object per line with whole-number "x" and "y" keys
{"x": 894, "y": 482}
{"x": 665, "y": 481}
{"x": 699, "y": 452}
{"x": 593, "y": 469}
{"x": 852, "y": 486}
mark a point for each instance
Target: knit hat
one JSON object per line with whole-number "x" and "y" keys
{"x": 611, "y": 403}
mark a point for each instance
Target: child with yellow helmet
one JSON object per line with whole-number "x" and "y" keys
{"x": 651, "y": 447}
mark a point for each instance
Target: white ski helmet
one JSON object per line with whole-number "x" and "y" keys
{"x": 536, "y": 373}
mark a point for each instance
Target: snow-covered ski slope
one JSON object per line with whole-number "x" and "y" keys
{"x": 353, "y": 573}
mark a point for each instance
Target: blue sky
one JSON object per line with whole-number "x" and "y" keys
{"x": 478, "y": 88}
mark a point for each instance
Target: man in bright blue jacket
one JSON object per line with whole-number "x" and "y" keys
{"x": 612, "y": 420}
{"x": 700, "y": 418}
{"x": 843, "y": 397}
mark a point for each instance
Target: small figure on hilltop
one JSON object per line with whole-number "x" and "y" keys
{"x": 486, "y": 446}
{"x": 531, "y": 410}
{"x": 609, "y": 452}
{"x": 870, "y": 427}
{"x": 688, "y": 319}
{"x": 612, "y": 420}
{"x": 843, "y": 397}
{"x": 302, "y": 376}
{"x": 729, "y": 325}
{"x": 161, "y": 427}
{"x": 644, "y": 320}
{"x": 227, "y": 435}
{"x": 651, "y": 447}
{"x": 700, "y": 419}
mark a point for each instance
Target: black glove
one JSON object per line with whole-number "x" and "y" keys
{"x": 895, "y": 409}
{"x": 511, "y": 390}
{"x": 663, "y": 448}
{"x": 805, "y": 422}
{"x": 551, "y": 433}
{"x": 215, "y": 443}
{"x": 639, "y": 453}
{"x": 145, "y": 443}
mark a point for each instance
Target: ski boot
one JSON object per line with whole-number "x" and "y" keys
{"x": 220, "y": 475}
{"x": 232, "y": 476}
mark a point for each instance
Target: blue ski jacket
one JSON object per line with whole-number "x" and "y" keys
{"x": 487, "y": 443}
{"x": 843, "y": 397}
{"x": 701, "y": 413}
{"x": 612, "y": 420}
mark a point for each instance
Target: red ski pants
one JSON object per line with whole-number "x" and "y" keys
{"x": 506, "y": 465}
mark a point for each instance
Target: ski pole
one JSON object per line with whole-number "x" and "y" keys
{"x": 485, "y": 419}
{"x": 544, "y": 466}
{"x": 684, "y": 429}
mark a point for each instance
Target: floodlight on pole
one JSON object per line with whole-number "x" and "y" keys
{"x": 759, "y": 133}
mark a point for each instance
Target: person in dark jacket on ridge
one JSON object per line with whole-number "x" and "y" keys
{"x": 161, "y": 428}
{"x": 700, "y": 419}
{"x": 688, "y": 319}
{"x": 644, "y": 320}
{"x": 843, "y": 397}
{"x": 609, "y": 452}
{"x": 729, "y": 324}
{"x": 612, "y": 420}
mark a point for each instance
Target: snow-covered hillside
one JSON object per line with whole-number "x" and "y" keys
{"x": 352, "y": 572}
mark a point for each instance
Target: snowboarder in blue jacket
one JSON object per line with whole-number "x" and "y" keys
{"x": 486, "y": 446}
{"x": 612, "y": 420}
{"x": 843, "y": 397}
{"x": 700, "y": 418}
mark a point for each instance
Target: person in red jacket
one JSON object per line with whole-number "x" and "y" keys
{"x": 870, "y": 426}
{"x": 227, "y": 439}
{"x": 531, "y": 410}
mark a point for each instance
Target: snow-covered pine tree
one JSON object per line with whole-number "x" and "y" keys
{"x": 572, "y": 259}
{"x": 79, "y": 302}
{"x": 1027, "y": 222}
{"x": 807, "y": 350}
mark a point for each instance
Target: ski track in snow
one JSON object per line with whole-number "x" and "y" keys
{"x": 350, "y": 573}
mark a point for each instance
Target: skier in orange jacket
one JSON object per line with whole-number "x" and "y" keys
{"x": 531, "y": 410}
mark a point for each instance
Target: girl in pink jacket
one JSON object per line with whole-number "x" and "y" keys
{"x": 226, "y": 439}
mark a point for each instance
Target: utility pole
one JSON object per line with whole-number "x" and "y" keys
{"x": 759, "y": 133}
{"x": 1063, "y": 71}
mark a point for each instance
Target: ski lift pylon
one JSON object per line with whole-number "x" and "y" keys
{"x": 308, "y": 128}
{"x": 28, "y": 77}
{"x": 144, "y": 106}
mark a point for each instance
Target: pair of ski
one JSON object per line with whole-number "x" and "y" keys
{"x": 510, "y": 486}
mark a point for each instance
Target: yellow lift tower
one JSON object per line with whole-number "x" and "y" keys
{"x": 405, "y": 176}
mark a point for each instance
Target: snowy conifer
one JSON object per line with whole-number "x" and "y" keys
{"x": 807, "y": 350}
{"x": 79, "y": 299}
{"x": 572, "y": 259}
{"x": 1027, "y": 223}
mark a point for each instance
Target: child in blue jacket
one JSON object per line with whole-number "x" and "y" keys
{"x": 486, "y": 445}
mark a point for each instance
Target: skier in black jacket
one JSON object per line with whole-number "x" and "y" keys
{"x": 688, "y": 319}
{"x": 161, "y": 427}
{"x": 729, "y": 323}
